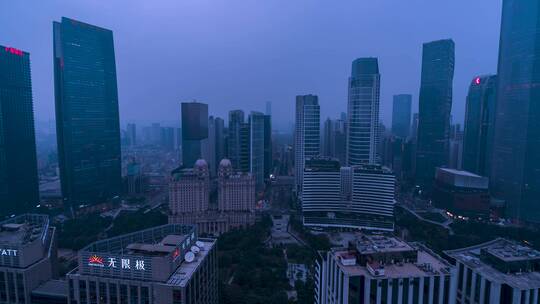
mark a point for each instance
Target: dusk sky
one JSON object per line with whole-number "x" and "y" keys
{"x": 238, "y": 54}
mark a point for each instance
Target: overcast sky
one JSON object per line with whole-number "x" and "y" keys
{"x": 241, "y": 53}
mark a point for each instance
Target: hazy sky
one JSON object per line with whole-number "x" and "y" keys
{"x": 240, "y": 53}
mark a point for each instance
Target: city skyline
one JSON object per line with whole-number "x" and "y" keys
{"x": 281, "y": 80}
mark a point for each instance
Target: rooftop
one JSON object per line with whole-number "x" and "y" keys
{"x": 368, "y": 244}
{"x": 157, "y": 241}
{"x": 52, "y": 288}
{"x": 402, "y": 259}
{"x": 502, "y": 261}
{"x": 23, "y": 229}
{"x": 184, "y": 272}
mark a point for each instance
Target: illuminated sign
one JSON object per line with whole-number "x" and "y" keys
{"x": 14, "y": 51}
{"x": 477, "y": 80}
{"x": 112, "y": 262}
{"x": 8, "y": 252}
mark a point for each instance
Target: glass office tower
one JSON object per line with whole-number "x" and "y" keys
{"x": 194, "y": 132}
{"x": 18, "y": 165}
{"x": 363, "y": 112}
{"x": 307, "y": 134}
{"x": 401, "y": 115}
{"x": 515, "y": 175}
{"x": 87, "y": 118}
{"x": 256, "y": 148}
{"x": 479, "y": 118}
{"x": 434, "y": 109}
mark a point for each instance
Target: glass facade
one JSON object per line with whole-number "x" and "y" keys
{"x": 307, "y": 133}
{"x": 87, "y": 118}
{"x": 18, "y": 164}
{"x": 515, "y": 173}
{"x": 435, "y": 105}
{"x": 363, "y": 112}
{"x": 256, "y": 140}
{"x": 194, "y": 132}
{"x": 479, "y": 119}
{"x": 401, "y": 115}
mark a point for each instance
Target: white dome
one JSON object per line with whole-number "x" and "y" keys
{"x": 225, "y": 163}
{"x": 201, "y": 163}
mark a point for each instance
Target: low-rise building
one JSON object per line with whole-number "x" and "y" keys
{"x": 163, "y": 265}
{"x": 461, "y": 192}
{"x": 500, "y": 271}
{"x": 383, "y": 269}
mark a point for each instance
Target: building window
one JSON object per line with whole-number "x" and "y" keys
{"x": 134, "y": 295}
{"x": 113, "y": 294}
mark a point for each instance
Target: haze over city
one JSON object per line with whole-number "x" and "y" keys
{"x": 270, "y": 152}
{"x": 240, "y": 54}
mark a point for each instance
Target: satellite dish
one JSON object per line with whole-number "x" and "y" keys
{"x": 199, "y": 244}
{"x": 195, "y": 249}
{"x": 189, "y": 257}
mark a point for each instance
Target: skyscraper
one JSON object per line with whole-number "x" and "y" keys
{"x": 18, "y": 164}
{"x": 212, "y": 162}
{"x": 268, "y": 158}
{"x": 132, "y": 134}
{"x": 363, "y": 112}
{"x": 307, "y": 137}
{"x": 87, "y": 118}
{"x": 401, "y": 115}
{"x": 479, "y": 119}
{"x": 238, "y": 144}
{"x": 194, "y": 132}
{"x": 334, "y": 139}
{"x": 516, "y": 149}
{"x": 220, "y": 139}
{"x": 256, "y": 148}
{"x": 434, "y": 109}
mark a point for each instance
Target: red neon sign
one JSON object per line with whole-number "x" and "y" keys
{"x": 95, "y": 260}
{"x": 477, "y": 80}
{"x": 14, "y": 51}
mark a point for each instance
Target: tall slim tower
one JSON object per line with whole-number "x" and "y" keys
{"x": 479, "y": 120}
{"x": 401, "y": 115}
{"x": 268, "y": 160}
{"x": 87, "y": 118}
{"x": 434, "y": 109}
{"x": 363, "y": 112}
{"x": 256, "y": 148}
{"x": 516, "y": 150}
{"x": 238, "y": 141}
{"x": 194, "y": 132}
{"x": 307, "y": 137}
{"x": 18, "y": 165}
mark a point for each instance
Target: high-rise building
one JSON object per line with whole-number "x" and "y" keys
{"x": 334, "y": 139}
{"x": 497, "y": 272}
{"x": 167, "y": 138}
{"x": 236, "y": 190}
{"x": 434, "y": 109}
{"x": 363, "y": 112}
{"x": 167, "y": 264}
{"x": 268, "y": 157}
{"x": 28, "y": 256}
{"x": 401, "y": 115}
{"x": 194, "y": 132}
{"x": 189, "y": 189}
{"x": 516, "y": 148}
{"x": 479, "y": 121}
{"x": 87, "y": 118}
{"x": 307, "y": 134}
{"x": 18, "y": 164}
{"x": 373, "y": 198}
{"x": 220, "y": 152}
{"x": 383, "y": 269}
{"x": 211, "y": 159}
{"x": 256, "y": 148}
{"x": 322, "y": 204}
{"x": 132, "y": 134}
{"x": 238, "y": 141}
